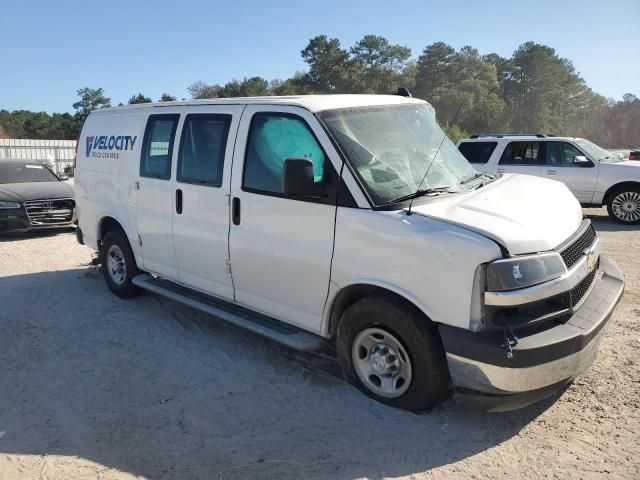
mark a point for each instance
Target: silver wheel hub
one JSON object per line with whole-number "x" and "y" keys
{"x": 381, "y": 362}
{"x": 626, "y": 206}
{"x": 116, "y": 265}
{"x": 384, "y": 360}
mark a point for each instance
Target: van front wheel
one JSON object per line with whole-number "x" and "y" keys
{"x": 392, "y": 353}
{"x": 118, "y": 265}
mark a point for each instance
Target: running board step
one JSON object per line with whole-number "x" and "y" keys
{"x": 261, "y": 324}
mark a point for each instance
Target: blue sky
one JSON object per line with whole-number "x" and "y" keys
{"x": 52, "y": 48}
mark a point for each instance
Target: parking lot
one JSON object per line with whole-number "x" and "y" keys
{"x": 92, "y": 386}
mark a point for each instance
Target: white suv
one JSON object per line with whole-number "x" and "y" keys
{"x": 595, "y": 176}
{"x": 348, "y": 219}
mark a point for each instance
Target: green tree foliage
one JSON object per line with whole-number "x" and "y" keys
{"x": 372, "y": 65}
{"x": 534, "y": 90}
{"x": 202, "y": 90}
{"x": 139, "y": 98}
{"x": 621, "y": 123}
{"x": 542, "y": 89}
{"x": 433, "y": 69}
{"x": 295, "y": 85}
{"x": 167, "y": 98}
{"x": 378, "y": 64}
{"x": 13, "y": 122}
{"x": 248, "y": 87}
{"x": 331, "y": 70}
{"x": 37, "y": 125}
{"x": 90, "y": 99}
{"x": 461, "y": 83}
{"x": 455, "y": 133}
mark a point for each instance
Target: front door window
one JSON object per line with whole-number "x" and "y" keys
{"x": 272, "y": 139}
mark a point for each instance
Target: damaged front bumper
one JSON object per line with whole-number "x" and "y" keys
{"x": 544, "y": 355}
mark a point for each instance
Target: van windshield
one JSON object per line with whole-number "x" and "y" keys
{"x": 391, "y": 148}
{"x": 22, "y": 172}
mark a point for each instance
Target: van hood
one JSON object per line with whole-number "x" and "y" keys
{"x": 523, "y": 213}
{"x": 22, "y": 192}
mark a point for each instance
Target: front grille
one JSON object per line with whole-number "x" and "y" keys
{"x": 574, "y": 252}
{"x": 578, "y": 291}
{"x": 52, "y": 212}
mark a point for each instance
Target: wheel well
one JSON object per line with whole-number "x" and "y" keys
{"x": 351, "y": 294}
{"x": 106, "y": 225}
{"x": 605, "y": 199}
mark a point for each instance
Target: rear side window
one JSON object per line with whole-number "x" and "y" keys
{"x": 158, "y": 146}
{"x": 477, "y": 152}
{"x": 202, "y": 149}
{"x": 273, "y": 138}
{"x": 521, "y": 153}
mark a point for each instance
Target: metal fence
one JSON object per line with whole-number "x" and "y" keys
{"x": 58, "y": 154}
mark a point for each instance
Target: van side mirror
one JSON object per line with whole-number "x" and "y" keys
{"x": 63, "y": 177}
{"x": 298, "y": 178}
{"x": 582, "y": 161}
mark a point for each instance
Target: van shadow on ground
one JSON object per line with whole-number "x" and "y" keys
{"x": 50, "y": 232}
{"x": 152, "y": 388}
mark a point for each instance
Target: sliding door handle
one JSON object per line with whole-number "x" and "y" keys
{"x": 179, "y": 201}
{"x": 551, "y": 172}
{"x": 235, "y": 211}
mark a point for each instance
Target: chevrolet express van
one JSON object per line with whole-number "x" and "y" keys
{"x": 349, "y": 219}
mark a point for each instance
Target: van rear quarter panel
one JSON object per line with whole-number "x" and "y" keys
{"x": 105, "y": 177}
{"x": 430, "y": 263}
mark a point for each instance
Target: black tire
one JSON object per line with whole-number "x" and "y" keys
{"x": 419, "y": 337}
{"x": 124, "y": 289}
{"x": 633, "y": 194}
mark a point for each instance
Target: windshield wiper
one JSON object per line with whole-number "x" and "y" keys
{"x": 421, "y": 193}
{"x": 475, "y": 176}
{"x": 470, "y": 178}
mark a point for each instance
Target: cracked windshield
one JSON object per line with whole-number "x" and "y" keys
{"x": 392, "y": 147}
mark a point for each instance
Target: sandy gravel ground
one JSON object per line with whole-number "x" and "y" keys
{"x": 92, "y": 386}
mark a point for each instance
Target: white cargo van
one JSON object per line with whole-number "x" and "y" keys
{"x": 348, "y": 219}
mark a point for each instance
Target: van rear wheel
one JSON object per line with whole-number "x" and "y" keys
{"x": 392, "y": 353}
{"x": 119, "y": 265}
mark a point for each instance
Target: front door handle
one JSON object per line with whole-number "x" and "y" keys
{"x": 551, "y": 172}
{"x": 500, "y": 170}
{"x": 179, "y": 201}
{"x": 235, "y": 211}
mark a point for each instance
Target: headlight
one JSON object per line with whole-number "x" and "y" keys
{"x": 9, "y": 205}
{"x": 524, "y": 271}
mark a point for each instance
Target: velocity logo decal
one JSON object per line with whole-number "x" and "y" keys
{"x": 108, "y": 144}
{"x": 89, "y": 144}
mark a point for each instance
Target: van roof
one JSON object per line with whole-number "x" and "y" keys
{"x": 313, "y": 103}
